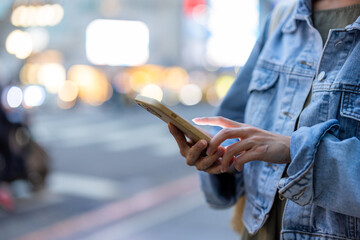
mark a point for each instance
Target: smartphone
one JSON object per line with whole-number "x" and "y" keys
{"x": 164, "y": 113}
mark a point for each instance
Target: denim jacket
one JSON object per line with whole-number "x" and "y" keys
{"x": 322, "y": 182}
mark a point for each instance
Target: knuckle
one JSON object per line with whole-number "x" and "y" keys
{"x": 189, "y": 162}
{"x": 255, "y": 139}
{"x": 204, "y": 166}
{"x": 198, "y": 167}
{"x": 226, "y": 131}
{"x": 252, "y": 129}
{"x": 201, "y": 166}
{"x": 251, "y": 141}
{"x": 230, "y": 149}
{"x": 190, "y": 156}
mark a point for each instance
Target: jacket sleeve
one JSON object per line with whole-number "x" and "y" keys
{"x": 223, "y": 190}
{"x": 324, "y": 170}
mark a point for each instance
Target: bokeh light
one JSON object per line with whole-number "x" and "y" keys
{"x": 122, "y": 81}
{"x": 34, "y": 96}
{"x": 139, "y": 79}
{"x": 19, "y": 43}
{"x": 211, "y": 96}
{"x": 175, "y": 78}
{"x": 117, "y": 42}
{"x": 58, "y": 14}
{"x": 227, "y": 47}
{"x": 94, "y": 88}
{"x": 190, "y": 94}
{"x": 152, "y": 91}
{"x": 223, "y": 85}
{"x": 52, "y": 75}
{"x": 170, "y": 97}
{"x": 68, "y": 91}
{"x": 29, "y": 73}
{"x": 37, "y": 15}
{"x": 14, "y": 97}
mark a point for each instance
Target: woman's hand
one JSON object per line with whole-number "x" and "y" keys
{"x": 194, "y": 153}
{"x": 254, "y": 143}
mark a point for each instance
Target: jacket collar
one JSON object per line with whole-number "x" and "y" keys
{"x": 355, "y": 25}
{"x": 302, "y": 11}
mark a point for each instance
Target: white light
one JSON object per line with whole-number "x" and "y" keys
{"x": 152, "y": 91}
{"x": 117, "y": 43}
{"x": 58, "y": 14}
{"x": 36, "y": 15}
{"x": 14, "y": 97}
{"x": 19, "y": 43}
{"x": 227, "y": 46}
{"x": 52, "y": 75}
{"x": 190, "y": 94}
{"x": 34, "y": 96}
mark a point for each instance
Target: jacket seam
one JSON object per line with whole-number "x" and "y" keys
{"x": 291, "y": 70}
{"x": 341, "y": 88}
{"x": 317, "y": 234}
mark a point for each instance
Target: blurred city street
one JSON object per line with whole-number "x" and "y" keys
{"x": 116, "y": 174}
{"x": 69, "y": 71}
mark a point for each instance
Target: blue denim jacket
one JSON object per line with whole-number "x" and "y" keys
{"x": 322, "y": 183}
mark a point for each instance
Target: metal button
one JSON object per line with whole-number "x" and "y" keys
{"x": 321, "y": 76}
{"x": 340, "y": 45}
{"x": 281, "y": 197}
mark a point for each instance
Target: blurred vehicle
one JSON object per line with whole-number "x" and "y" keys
{"x": 21, "y": 158}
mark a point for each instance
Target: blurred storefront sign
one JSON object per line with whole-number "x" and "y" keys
{"x": 117, "y": 42}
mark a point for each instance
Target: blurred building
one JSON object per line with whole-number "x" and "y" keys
{"x": 104, "y": 44}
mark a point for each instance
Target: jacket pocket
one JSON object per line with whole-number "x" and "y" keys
{"x": 262, "y": 92}
{"x": 262, "y": 79}
{"x": 350, "y": 105}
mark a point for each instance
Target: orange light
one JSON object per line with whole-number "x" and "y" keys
{"x": 175, "y": 78}
{"x": 94, "y": 88}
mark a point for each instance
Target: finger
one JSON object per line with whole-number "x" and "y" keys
{"x": 217, "y": 121}
{"x": 214, "y": 169}
{"x": 224, "y": 134}
{"x": 194, "y": 153}
{"x": 238, "y": 148}
{"x": 208, "y": 161}
{"x": 245, "y": 157}
{"x": 180, "y": 139}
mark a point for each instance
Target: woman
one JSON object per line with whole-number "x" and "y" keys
{"x": 295, "y": 134}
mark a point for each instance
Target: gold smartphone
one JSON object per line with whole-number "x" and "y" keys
{"x": 164, "y": 113}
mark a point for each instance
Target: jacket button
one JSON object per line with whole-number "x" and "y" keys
{"x": 321, "y": 76}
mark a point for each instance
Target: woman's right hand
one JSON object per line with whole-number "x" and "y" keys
{"x": 194, "y": 153}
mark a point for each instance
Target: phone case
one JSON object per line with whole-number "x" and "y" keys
{"x": 164, "y": 113}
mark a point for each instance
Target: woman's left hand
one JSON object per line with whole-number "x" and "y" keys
{"x": 254, "y": 143}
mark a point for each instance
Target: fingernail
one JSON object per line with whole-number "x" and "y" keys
{"x": 208, "y": 151}
{"x": 194, "y": 120}
{"x": 203, "y": 143}
{"x": 223, "y": 169}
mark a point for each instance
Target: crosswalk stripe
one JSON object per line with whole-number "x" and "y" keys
{"x": 146, "y": 220}
{"x": 84, "y": 185}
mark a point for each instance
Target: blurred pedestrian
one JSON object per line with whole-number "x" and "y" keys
{"x": 293, "y": 137}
